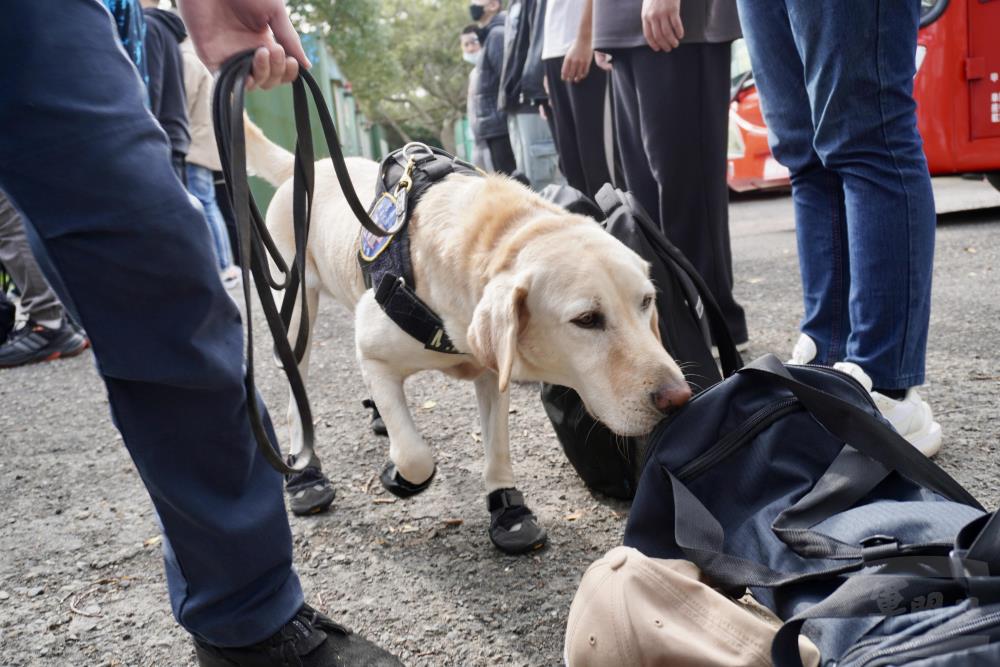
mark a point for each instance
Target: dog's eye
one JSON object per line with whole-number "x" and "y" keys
{"x": 589, "y": 320}
{"x": 647, "y": 301}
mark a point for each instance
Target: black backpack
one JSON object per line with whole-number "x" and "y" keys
{"x": 689, "y": 320}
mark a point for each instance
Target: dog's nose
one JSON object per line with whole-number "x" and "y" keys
{"x": 671, "y": 396}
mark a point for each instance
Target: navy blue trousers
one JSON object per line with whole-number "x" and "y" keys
{"x": 90, "y": 169}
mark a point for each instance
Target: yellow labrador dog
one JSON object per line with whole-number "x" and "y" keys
{"x": 527, "y": 292}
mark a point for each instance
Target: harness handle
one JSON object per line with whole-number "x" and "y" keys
{"x": 256, "y": 245}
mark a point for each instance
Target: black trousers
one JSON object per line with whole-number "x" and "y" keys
{"x": 502, "y": 154}
{"x": 671, "y": 121}
{"x": 578, "y": 119}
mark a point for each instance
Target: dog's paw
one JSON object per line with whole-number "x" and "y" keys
{"x": 309, "y": 491}
{"x": 395, "y": 484}
{"x": 514, "y": 529}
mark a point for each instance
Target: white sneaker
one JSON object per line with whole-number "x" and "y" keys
{"x": 910, "y": 416}
{"x": 804, "y": 351}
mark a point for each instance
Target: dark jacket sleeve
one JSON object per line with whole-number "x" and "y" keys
{"x": 154, "y": 46}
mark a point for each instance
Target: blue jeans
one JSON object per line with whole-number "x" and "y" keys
{"x": 836, "y": 83}
{"x": 126, "y": 250}
{"x": 534, "y": 148}
{"x": 201, "y": 184}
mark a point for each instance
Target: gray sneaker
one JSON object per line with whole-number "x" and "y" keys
{"x": 33, "y": 343}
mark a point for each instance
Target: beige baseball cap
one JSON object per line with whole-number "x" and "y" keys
{"x": 634, "y": 610}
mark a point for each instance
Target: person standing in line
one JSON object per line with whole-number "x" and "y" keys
{"x": 671, "y": 61}
{"x": 130, "y": 255}
{"x": 47, "y": 333}
{"x": 578, "y": 94}
{"x": 491, "y": 122}
{"x": 167, "y": 99}
{"x": 472, "y": 51}
{"x": 523, "y": 94}
{"x": 203, "y": 158}
{"x": 844, "y": 122}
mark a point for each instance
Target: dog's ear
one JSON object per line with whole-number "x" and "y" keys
{"x": 498, "y": 320}
{"x": 654, "y": 323}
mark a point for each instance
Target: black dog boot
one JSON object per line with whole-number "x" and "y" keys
{"x": 398, "y": 486}
{"x": 514, "y": 528}
{"x": 309, "y": 491}
{"x": 310, "y": 639}
{"x": 378, "y": 426}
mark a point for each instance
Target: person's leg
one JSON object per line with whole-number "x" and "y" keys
{"x": 587, "y": 101}
{"x": 92, "y": 172}
{"x": 683, "y": 101}
{"x": 866, "y": 131}
{"x": 502, "y": 155}
{"x": 200, "y": 183}
{"x": 38, "y": 299}
{"x": 817, "y": 192}
{"x": 629, "y": 131}
{"x": 564, "y": 132}
{"x": 541, "y": 161}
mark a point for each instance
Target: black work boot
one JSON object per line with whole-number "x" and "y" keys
{"x": 310, "y": 639}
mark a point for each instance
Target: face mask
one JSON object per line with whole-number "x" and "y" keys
{"x": 472, "y": 58}
{"x": 476, "y": 12}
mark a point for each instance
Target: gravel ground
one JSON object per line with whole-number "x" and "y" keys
{"x": 81, "y": 580}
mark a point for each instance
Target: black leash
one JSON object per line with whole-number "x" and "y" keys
{"x": 256, "y": 244}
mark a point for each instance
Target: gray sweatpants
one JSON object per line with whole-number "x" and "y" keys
{"x": 37, "y": 298}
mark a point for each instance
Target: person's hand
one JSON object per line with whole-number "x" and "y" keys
{"x": 603, "y": 60}
{"x": 222, "y": 28}
{"x": 576, "y": 64}
{"x": 661, "y": 24}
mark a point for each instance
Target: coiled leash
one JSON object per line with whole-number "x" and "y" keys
{"x": 256, "y": 245}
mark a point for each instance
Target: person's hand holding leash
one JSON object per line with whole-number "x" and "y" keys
{"x": 222, "y": 28}
{"x": 661, "y": 24}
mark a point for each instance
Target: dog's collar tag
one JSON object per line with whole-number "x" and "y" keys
{"x": 387, "y": 212}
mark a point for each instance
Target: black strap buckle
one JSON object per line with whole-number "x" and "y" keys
{"x": 878, "y": 547}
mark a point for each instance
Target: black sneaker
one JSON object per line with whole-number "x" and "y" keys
{"x": 33, "y": 342}
{"x": 310, "y": 639}
{"x": 309, "y": 491}
{"x": 378, "y": 426}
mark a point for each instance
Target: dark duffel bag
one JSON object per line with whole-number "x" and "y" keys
{"x": 689, "y": 320}
{"x": 788, "y": 481}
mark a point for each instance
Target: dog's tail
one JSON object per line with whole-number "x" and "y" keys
{"x": 264, "y": 157}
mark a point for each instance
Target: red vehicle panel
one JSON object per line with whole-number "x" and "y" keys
{"x": 957, "y": 89}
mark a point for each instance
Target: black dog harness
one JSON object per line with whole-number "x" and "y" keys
{"x": 404, "y": 176}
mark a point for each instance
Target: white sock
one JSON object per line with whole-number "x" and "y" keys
{"x": 50, "y": 324}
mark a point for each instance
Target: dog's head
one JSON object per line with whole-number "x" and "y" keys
{"x": 577, "y": 308}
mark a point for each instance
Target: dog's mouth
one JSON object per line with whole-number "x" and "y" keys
{"x": 635, "y": 422}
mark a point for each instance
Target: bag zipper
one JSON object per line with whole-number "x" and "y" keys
{"x": 932, "y": 637}
{"x": 733, "y": 440}
{"x": 654, "y": 436}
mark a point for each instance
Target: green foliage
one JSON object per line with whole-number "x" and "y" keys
{"x": 401, "y": 56}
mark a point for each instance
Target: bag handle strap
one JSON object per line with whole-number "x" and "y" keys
{"x": 610, "y": 198}
{"x": 864, "y": 432}
{"x": 257, "y": 247}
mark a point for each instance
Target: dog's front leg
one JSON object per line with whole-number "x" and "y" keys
{"x": 513, "y": 527}
{"x": 494, "y": 409}
{"x": 411, "y": 465}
